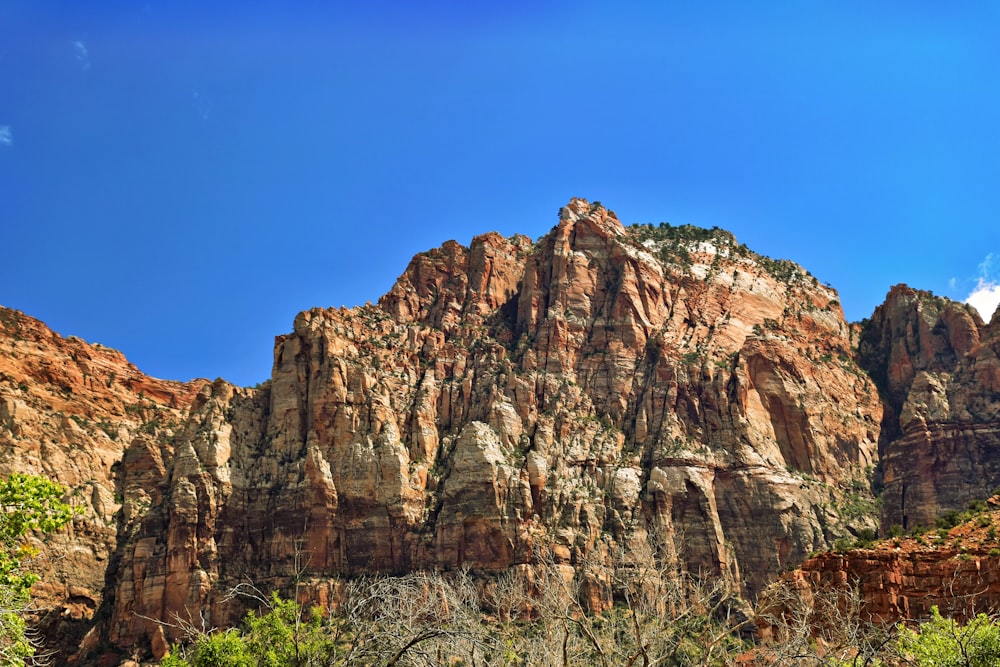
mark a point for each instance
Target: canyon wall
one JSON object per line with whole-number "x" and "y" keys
{"x": 603, "y": 393}
{"x": 937, "y": 366}
{"x": 68, "y": 411}
{"x": 578, "y": 399}
{"x": 956, "y": 569}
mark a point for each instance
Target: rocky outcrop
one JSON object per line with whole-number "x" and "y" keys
{"x": 900, "y": 579}
{"x": 937, "y": 366}
{"x": 68, "y": 411}
{"x": 581, "y": 398}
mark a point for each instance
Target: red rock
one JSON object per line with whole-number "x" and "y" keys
{"x": 603, "y": 391}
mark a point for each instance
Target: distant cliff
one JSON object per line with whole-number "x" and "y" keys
{"x": 937, "y": 366}
{"x": 583, "y": 398}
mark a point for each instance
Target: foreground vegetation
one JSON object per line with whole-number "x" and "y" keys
{"x": 533, "y": 617}
{"x": 28, "y": 504}
{"x": 435, "y": 619}
{"x": 540, "y": 615}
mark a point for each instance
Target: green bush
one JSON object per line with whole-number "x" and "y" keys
{"x": 943, "y": 642}
{"x": 287, "y": 635}
{"x": 221, "y": 649}
{"x": 949, "y": 519}
{"x": 27, "y": 504}
{"x": 978, "y": 506}
{"x": 865, "y": 539}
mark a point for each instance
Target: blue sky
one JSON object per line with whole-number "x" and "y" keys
{"x": 178, "y": 180}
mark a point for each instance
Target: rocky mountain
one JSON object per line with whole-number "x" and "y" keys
{"x": 586, "y": 399}
{"x": 936, "y": 364}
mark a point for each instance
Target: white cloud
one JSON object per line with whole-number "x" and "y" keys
{"x": 986, "y": 296}
{"x": 985, "y": 266}
{"x": 81, "y": 54}
{"x": 6, "y": 137}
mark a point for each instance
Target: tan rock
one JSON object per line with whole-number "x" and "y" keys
{"x": 594, "y": 395}
{"x": 68, "y": 410}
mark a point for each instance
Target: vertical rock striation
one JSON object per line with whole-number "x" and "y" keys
{"x": 68, "y": 411}
{"x": 589, "y": 398}
{"x": 936, "y": 364}
{"x": 580, "y": 398}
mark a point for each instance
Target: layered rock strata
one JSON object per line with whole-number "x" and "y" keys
{"x": 578, "y": 399}
{"x": 901, "y": 579}
{"x": 68, "y": 411}
{"x": 938, "y": 367}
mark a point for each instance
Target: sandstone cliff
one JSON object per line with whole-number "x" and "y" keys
{"x": 937, "y": 366}
{"x": 68, "y": 411}
{"x": 579, "y": 398}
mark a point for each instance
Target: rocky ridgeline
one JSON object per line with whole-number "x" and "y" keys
{"x": 581, "y": 399}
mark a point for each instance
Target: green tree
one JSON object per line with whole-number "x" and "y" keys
{"x": 288, "y": 635}
{"x": 27, "y": 504}
{"x": 943, "y": 642}
{"x": 218, "y": 649}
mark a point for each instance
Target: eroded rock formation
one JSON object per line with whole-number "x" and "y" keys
{"x": 580, "y": 397}
{"x": 900, "y": 579}
{"x": 68, "y": 410}
{"x": 602, "y": 393}
{"x": 937, "y": 365}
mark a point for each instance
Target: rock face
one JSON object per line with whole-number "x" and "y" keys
{"x": 936, "y": 364}
{"x": 587, "y": 399}
{"x": 68, "y": 411}
{"x": 957, "y": 570}
{"x": 904, "y": 585}
{"x": 601, "y": 394}
{"x": 576, "y": 399}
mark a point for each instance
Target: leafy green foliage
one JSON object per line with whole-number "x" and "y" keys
{"x": 950, "y": 519}
{"x": 27, "y": 504}
{"x": 288, "y": 635}
{"x": 943, "y": 642}
{"x": 220, "y": 649}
